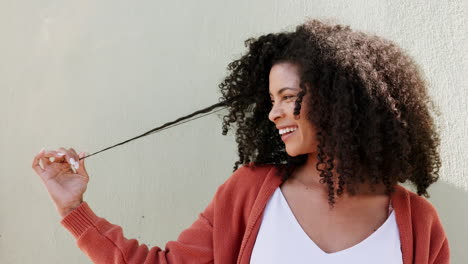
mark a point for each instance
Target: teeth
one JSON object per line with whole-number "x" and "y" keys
{"x": 286, "y": 130}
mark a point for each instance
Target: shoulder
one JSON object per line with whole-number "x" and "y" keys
{"x": 235, "y": 198}
{"x": 248, "y": 178}
{"x": 418, "y": 205}
{"x": 417, "y": 212}
{"x": 250, "y": 174}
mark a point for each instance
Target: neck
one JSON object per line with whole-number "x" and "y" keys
{"x": 308, "y": 173}
{"x": 309, "y": 176}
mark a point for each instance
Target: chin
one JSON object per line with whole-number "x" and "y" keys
{"x": 297, "y": 151}
{"x": 293, "y": 152}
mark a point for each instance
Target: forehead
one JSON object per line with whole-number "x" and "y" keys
{"x": 284, "y": 74}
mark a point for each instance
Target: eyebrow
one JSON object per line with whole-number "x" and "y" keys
{"x": 285, "y": 88}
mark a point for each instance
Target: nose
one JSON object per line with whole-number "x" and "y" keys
{"x": 275, "y": 113}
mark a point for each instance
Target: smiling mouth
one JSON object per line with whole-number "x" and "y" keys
{"x": 286, "y": 133}
{"x": 287, "y": 130}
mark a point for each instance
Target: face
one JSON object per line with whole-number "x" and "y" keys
{"x": 298, "y": 135}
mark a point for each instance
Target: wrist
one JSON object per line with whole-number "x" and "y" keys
{"x": 65, "y": 211}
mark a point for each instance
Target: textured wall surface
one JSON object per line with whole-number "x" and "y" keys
{"x": 88, "y": 74}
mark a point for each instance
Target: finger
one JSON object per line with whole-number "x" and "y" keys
{"x": 69, "y": 157}
{"x": 55, "y": 155}
{"x": 52, "y": 156}
{"x": 76, "y": 158}
{"x": 45, "y": 162}
{"x": 74, "y": 153}
{"x": 35, "y": 165}
{"x": 82, "y": 169}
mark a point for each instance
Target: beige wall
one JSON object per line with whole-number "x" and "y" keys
{"x": 88, "y": 74}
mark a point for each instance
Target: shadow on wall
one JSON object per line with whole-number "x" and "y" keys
{"x": 452, "y": 205}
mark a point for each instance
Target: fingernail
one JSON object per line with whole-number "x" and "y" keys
{"x": 51, "y": 159}
{"x": 42, "y": 149}
{"x": 61, "y": 154}
{"x": 74, "y": 163}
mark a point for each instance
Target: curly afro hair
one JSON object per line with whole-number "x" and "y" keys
{"x": 370, "y": 107}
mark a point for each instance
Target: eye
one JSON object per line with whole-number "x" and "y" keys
{"x": 287, "y": 97}
{"x": 284, "y": 98}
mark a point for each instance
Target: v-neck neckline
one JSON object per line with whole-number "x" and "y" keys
{"x": 292, "y": 218}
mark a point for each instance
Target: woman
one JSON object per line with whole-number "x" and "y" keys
{"x": 328, "y": 122}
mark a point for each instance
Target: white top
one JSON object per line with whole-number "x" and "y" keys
{"x": 282, "y": 240}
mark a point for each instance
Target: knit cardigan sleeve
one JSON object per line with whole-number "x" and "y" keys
{"x": 105, "y": 243}
{"x": 216, "y": 235}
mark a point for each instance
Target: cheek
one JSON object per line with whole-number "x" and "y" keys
{"x": 308, "y": 132}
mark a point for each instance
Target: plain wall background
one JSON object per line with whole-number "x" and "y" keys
{"x": 88, "y": 74}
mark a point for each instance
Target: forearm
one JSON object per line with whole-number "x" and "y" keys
{"x": 104, "y": 242}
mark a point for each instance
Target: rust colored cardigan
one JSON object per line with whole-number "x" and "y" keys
{"x": 226, "y": 230}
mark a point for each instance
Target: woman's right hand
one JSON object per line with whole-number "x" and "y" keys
{"x": 65, "y": 185}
